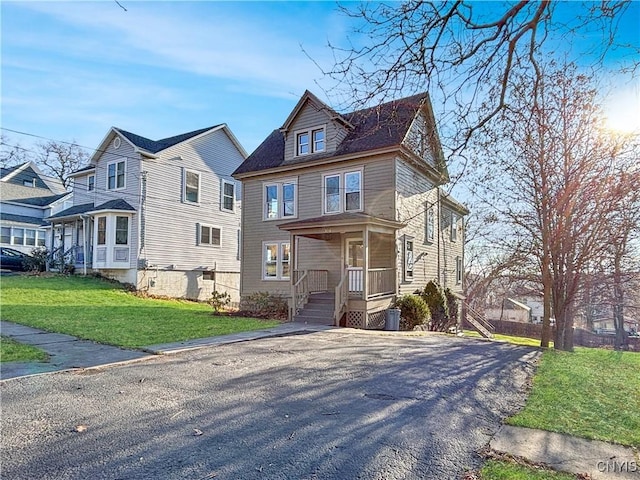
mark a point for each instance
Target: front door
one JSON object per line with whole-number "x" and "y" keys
{"x": 355, "y": 263}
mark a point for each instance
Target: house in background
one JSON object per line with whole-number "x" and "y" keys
{"x": 28, "y": 196}
{"x": 161, "y": 215}
{"x": 343, "y": 212}
{"x": 510, "y": 311}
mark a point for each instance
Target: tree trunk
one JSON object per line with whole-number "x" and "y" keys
{"x": 621, "y": 342}
{"x": 546, "y": 311}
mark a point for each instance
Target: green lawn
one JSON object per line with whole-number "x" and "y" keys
{"x": 590, "y": 393}
{"x": 529, "y": 342}
{"x": 499, "y": 470}
{"x": 12, "y": 351}
{"x": 102, "y": 311}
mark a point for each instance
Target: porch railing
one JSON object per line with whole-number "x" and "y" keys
{"x": 342, "y": 297}
{"x": 479, "y": 322}
{"x": 381, "y": 281}
{"x": 317, "y": 280}
{"x": 299, "y": 294}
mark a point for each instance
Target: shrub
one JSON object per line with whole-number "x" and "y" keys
{"x": 219, "y": 300}
{"x": 266, "y": 305}
{"x": 413, "y": 311}
{"x": 452, "y": 306}
{"x": 436, "y": 300}
{"x": 37, "y": 261}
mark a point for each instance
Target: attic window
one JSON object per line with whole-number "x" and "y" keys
{"x": 116, "y": 143}
{"x": 29, "y": 183}
{"x": 310, "y": 141}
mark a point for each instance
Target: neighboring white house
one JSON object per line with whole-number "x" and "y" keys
{"x": 27, "y": 197}
{"x": 161, "y": 215}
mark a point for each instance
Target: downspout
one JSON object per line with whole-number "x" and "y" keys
{"x": 439, "y": 232}
{"x": 84, "y": 244}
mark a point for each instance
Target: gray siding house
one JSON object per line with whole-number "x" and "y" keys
{"x": 347, "y": 211}
{"x": 27, "y": 197}
{"x": 162, "y": 215}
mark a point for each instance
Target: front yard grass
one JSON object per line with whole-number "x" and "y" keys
{"x": 98, "y": 310}
{"x": 501, "y": 470}
{"x": 12, "y": 351}
{"x": 590, "y": 393}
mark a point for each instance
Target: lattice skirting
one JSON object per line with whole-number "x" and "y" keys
{"x": 376, "y": 320}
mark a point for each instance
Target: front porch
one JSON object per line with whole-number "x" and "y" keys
{"x": 359, "y": 252}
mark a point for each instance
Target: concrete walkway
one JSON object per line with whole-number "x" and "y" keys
{"x": 599, "y": 460}
{"x": 67, "y": 352}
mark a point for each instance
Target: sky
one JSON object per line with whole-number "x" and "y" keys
{"x": 71, "y": 70}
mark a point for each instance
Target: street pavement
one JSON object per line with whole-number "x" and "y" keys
{"x": 328, "y": 404}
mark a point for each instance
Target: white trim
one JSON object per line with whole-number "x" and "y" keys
{"x": 124, "y": 181}
{"x": 342, "y": 190}
{"x": 117, "y": 142}
{"x": 185, "y": 171}
{"x": 222, "y": 195}
{"x": 311, "y": 143}
{"x": 280, "y": 199}
{"x": 199, "y": 242}
{"x": 278, "y": 262}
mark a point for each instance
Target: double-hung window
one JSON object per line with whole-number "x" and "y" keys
{"x": 458, "y": 270}
{"x": 343, "y": 192}
{"x": 91, "y": 183}
{"x": 310, "y": 141}
{"x": 454, "y": 227}
{"x": 275, "y": 261}
{"x": 116, "y": 175}
{"x": 209, "y": 235}
{"x": 430, "y": 224}
{"x": 280, "y": 199}
{"x": 102, "y": 230}
{"x": 191, "y": 190}
{"x": 122, "y": 230}
{"x": 228, "y": 195}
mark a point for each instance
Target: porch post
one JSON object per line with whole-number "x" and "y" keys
{"x": 292, "y": 274}
{"x": 365, "y": 270}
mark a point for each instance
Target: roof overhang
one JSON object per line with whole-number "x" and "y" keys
{"x": 329, "y": 225}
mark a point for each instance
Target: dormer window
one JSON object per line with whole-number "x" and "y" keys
{"x": 310, "y": 141}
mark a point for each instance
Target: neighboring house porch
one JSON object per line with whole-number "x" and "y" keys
{"x": 359, "y": 254}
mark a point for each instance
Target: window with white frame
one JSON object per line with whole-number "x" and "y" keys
{"x": 29, "y": 183}
{"x": 408, "y": 259}
{"x": 91, "y": 183}
{"x": 102, "y": 231}
{"x": 458, "y": 270}
{"x": 122, "y": 230}
{"x": 191, "y": 190}
{"x": 209, "y": 235}
{"x": 430, "y": 224}
{"x": 116, "y": 172}
{"x": 22, "y": 236}
{"x": 310, "y": 141}
{"x": 454, "y": 227}
{"x": 343, "y": 192}
{"x": 280, "y": 199}
{"x": 275, "y": 261}
{"x": 228, "y": 196}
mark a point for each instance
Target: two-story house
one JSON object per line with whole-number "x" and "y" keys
{"x": 347, "y": 210}
{"x": 162, "y": 215}
{"x": 27, "y": 197}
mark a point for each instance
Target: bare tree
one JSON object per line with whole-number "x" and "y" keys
{"x": 550, "y": 178}
{"x": 59, "y": 159}
{"x": 56, "y": 159}
{"x": 458, "y": 50}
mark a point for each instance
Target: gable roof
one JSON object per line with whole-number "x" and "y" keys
{"x": 41, "y": 201}
{"x": 373, "y": 128}
{"x": 155, "y": 146}
{"x": 150, "y": 147}
{"x": 52, "y": 184}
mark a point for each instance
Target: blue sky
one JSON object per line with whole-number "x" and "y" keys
{"x": 71, "y": 70}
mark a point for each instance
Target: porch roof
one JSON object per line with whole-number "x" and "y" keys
{"x": 340, "y": 223}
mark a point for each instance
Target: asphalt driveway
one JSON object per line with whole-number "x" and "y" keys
{"x": 336, "y": 404}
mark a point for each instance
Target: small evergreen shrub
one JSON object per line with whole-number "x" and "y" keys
{"x": 435, "y": 298}
{"x": 452, "y": 307}
{"x": 413, "y": 311}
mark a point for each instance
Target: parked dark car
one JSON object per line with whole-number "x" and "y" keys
{"x": 12, "y": 259}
